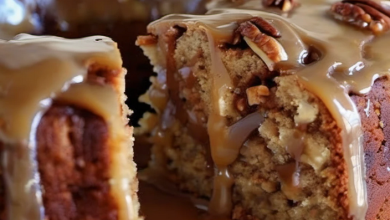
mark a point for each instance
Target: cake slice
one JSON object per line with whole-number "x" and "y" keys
{"x": 271, "y": 115}
{"x": 66, "y": 147}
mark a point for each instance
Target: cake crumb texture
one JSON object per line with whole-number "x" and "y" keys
{"x": 73, "y": 158}
{"x": 263, "y": 186}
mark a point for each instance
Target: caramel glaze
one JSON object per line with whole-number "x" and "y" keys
{"x": 34, "y": 71}
{"x": 350, "y": 61}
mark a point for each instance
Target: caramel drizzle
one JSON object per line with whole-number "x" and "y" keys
{"x": 33, "y": 72}
{"x": 289, "y": 173}
{"x": 225, "y": 142}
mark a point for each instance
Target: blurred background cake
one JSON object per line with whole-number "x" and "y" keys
{"x": 65, "y": 142}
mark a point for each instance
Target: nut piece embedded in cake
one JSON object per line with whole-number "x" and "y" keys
{"x": 367, "y": 14}
{"x": 146, "y": 40}
{"x": 284, "y": 5}
{"x": 261, "y": 38}
{"x": 256, "y": 94}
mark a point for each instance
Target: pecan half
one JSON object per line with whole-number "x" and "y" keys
{"x": 284, "y": 5}
{"x": 366, "y": 14}
{"x": 261, "y": 38}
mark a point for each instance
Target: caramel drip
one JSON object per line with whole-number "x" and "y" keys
{"x": 221, "y": 200}
{"x": 225, "y": 142}
{"x": 295, "y": 145}
{"x": 289, "y": 173}
{"x": 289, "y": 177}
{"x": 221, "y": 203}
{"x": 34, "y": 71}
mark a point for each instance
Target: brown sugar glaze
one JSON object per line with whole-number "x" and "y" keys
{"x": 351, "y": 59}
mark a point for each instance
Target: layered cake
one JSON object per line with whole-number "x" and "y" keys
{"x": 66, "y": 148}
{"x": 272, "y": 111}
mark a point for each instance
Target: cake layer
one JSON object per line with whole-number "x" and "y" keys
{"x": 262, "y": 112}
{"x": 73, "y": 162}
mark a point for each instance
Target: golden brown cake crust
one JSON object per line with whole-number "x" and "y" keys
{"x": 374, "y": 109}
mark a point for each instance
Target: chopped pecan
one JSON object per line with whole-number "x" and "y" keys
{"x": 284, "y": 5}
{"x": 260, "y": 37}
{"x": 366, "y": 14}
{"x": 257, "y": 94}
{"x": 146, "y": 40}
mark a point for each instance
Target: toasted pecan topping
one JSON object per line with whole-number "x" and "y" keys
{"x": 366, "y": 14}
{"x": 146, "y": 40}
{"x": 260, "y": 37}
{"x": 284, "y": 5}
{"x": 253, "y": 27}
